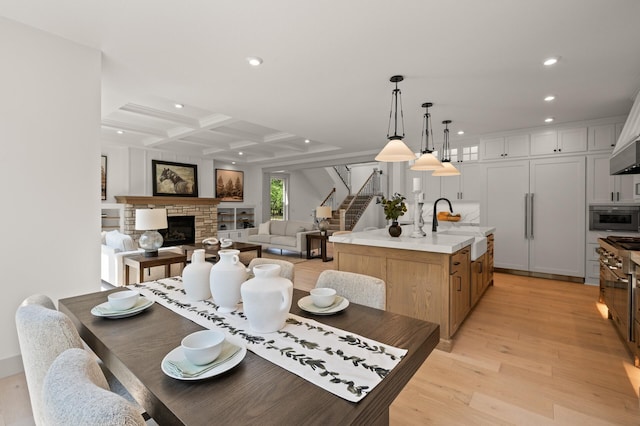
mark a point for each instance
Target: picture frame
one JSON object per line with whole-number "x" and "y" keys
{"x": 229, "y": 185}
{"x": 174, "y": 179}
{"x": 103, "y": 177}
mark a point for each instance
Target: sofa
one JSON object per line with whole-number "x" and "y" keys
{"x": 282, "y": 234}
{"x": 116, "y": 245}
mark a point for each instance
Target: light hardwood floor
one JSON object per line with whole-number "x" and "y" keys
{"x": 533, "y": 351}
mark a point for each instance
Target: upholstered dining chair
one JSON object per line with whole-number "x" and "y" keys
{"x": 43, "y": 334}
{"x": 75, "y": 392}
{"x": 287, "y": 269}
{"x": 357, "y": 288}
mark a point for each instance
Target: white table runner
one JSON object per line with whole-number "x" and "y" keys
{"x": 343, "y": 363}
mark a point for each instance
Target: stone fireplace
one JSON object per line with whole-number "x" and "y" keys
{"x": 203, "y": 210}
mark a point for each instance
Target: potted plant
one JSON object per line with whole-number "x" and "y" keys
{"x": 394, "y": 207}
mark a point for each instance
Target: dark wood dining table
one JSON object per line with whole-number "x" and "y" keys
{"x": 256, "y": 391}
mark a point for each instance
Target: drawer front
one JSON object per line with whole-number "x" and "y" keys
{"x": 458, "y": 259}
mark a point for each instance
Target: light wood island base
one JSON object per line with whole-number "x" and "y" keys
{"x": 430, "y": 286}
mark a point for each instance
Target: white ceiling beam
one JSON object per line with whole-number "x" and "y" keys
{"x": 163, "y": 115}
{"x": 130, "y": 127}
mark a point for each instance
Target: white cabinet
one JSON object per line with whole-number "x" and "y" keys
{"x": 233, "y": 222}
{"x": 236, "y": 234}
{"x": 538, "y": 209}
{"x": 112, "y": 217}
{"x": 466, "y": 186}
{"x": 604, "y": 188}
{"x": 516, "y": 146}
{"x": 559, "y": 141}
{"x": 604, "y": 137}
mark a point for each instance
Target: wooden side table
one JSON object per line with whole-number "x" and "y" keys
{"x": 323, "y": 247}
{"x": 140, "y": 262}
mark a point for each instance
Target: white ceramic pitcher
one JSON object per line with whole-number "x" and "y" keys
{"x": 195, "y": 277}
{"x": 266, "y": 299}
{"x": 225, "y": 280}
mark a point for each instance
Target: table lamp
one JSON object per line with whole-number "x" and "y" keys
{"x": 323, "y": 212}
{"x": 150, "y": 220}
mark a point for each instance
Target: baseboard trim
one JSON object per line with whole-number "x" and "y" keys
{"x": 10, "y": 366}
{"x": 579, "y": 280}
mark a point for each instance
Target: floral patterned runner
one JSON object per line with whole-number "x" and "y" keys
{"x": 343, "y": 363}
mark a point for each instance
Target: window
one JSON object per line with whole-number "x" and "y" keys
{"x": 278, "y": 199}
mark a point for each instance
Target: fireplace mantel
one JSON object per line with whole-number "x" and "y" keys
{"x": 141, "y": 199}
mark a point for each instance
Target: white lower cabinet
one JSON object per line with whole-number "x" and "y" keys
{"x": 538, "y": 209}
{"x": 236, "y": 234}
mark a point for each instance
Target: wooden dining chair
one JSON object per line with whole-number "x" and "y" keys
{"x": 76, "y": 392}
{"x": 43, "y": 334}
{"x": 357, "y": 288}
{"x": 287, "y": 269}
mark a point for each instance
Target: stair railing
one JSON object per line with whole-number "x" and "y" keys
{"x": 329, "y": 199}
{"x": 344, "y": 173}
{"x": 369, "y": 189}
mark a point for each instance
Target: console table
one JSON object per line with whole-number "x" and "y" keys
{"x": 323, "y": 247}
{"x": 140, "y": 262}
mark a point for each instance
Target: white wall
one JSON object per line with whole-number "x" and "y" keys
{"x": 50, "y": 124}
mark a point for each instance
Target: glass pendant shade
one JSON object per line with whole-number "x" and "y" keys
{"x": 447, "y": 169}
{"x": 395, "y": 150}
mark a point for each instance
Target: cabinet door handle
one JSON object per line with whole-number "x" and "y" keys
{"x": 612, "y": 196}
{"x": 481, "y": 268}
{"x": 526, "y": 216}
{"x": 456, "y": 263}
{"x": 617, "y": 196}
{"x": 531, "y": 208}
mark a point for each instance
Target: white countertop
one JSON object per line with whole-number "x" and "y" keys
{"x": 436, "y": 243}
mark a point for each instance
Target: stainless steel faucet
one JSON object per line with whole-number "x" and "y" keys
{"x": 434, "y": 227}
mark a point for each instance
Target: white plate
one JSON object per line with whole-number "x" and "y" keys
{"x": 306, "y": 304}
{"x": 178, "y": 355}
{"x": 142, "y": 304}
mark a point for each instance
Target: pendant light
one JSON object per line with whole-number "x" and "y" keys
{"x": 395, "y": 150}
{"x": 427, "y": 160}
{"x": 447, "y": 169}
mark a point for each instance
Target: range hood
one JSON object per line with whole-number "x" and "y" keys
{"x": 625, "y": 159}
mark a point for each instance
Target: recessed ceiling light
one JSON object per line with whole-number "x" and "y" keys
{"x": 120, "y": 132}
{"x": 179, "y": 106}
{"x": 461, "y": 132}
{"x": 551, "y": 61}
{"x": 549, "y": 98}
{"x": 307, "y": 141}
{"x": 240, "y": 153}
{"x": 233, "y": 162}
{"x": 254, "y": 61}
{"x": 548, "y": 120}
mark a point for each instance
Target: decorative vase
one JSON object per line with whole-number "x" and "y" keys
{"x": 266, "y": 299}
{"x": 394, "y": 229}
{"x": 225, "y": 280}
{"x": 195, "y": 277}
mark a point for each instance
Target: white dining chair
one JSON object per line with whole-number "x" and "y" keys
{"x": 43, "y": 334}
{"x": 287, "y": 269}
{"x": 75, "y": 392}
{"x": 357, "y": 288}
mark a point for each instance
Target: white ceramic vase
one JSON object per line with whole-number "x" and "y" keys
{"x": 225, "y": 280}
{"x": 195, "y": 277}
{"x": 266, "y": 299}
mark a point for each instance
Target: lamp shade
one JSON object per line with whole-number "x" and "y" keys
{"x": 323, "y": 211}
{"x": 447, "y": 169}
{"x": 395, "y": 151}
{"x": 151, "y": 219}
{"x": 427, "y": 161}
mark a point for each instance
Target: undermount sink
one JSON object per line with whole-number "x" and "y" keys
{"x": 479, "y": 244}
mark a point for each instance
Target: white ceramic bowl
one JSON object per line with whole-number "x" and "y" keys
{"x": 323, "y": 297}
{"x": 123, "y": 300}
{"x": 202, "y": 347}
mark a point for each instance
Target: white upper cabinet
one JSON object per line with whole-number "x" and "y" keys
{"x": 604, "y": 136}
{"x": 604, "y": 188}
{"x": 466, "y": 186}
{"x": 505, "y": 147}
{"x": 560, "y": 141}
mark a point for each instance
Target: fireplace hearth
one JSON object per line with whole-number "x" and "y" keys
{"x": 181, "y": 230}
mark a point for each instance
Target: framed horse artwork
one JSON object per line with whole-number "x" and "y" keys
{"x": 174, "y": 179}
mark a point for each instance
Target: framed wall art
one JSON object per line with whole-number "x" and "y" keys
{"x": 229, "y": 185}
{"x": 174, "y": 179}
{"x": 103, "y": 177}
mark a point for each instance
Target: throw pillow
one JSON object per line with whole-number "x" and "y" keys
{"x": 119, "y": 241}
{"x": 263, "y": 228}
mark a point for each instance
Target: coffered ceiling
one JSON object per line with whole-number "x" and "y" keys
{"x": 327, "y": 64}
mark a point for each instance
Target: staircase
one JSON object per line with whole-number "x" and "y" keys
{"x": 358, "y": 203}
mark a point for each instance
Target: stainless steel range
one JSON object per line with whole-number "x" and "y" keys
{"x": 618, "y": 282}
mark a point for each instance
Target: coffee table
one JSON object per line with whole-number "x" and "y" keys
{"x": 211, "y": 250}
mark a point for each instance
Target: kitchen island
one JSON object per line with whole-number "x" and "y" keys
{"x": 430, "y": 278}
